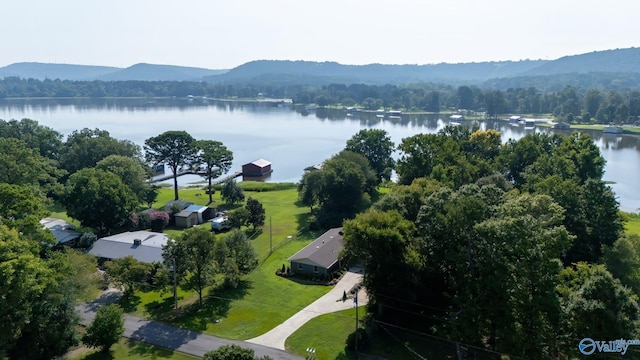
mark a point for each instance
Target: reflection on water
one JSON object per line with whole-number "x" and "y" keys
{"x": 291, "y": 137}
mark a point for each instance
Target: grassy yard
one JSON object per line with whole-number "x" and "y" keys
{"x": 263, "y": 300}
{"x": 128, "y": 349}
{"x": 632, "y": 223}
{"x": 327, "y": 334}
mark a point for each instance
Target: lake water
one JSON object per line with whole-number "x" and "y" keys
{"x": 291, "y": 139}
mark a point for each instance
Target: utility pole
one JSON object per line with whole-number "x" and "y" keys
{"x": 175, "y": 286}
{"x": 355, "y": 301}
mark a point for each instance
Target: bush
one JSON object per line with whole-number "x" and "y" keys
{"x": 360, "y": 334}
{"x": 159, "y": 220}
{"x": 87, "y": 239}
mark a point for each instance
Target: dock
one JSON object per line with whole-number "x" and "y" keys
{"x": 192, "y": 172}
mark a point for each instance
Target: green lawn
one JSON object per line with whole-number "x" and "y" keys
{"x": 129, "y": 349}
{"x": 263, "y": 300}
{"x": 327, "y": 334}
{"x": 632, "y": 223}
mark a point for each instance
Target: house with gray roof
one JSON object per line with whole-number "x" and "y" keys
{"x": 64, "y": 232}
{"x": 321, "y": 256}
{"x": 144, "y": 246}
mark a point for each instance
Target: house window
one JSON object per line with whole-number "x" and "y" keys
{"x": 315, "y": 269}
{"x": 299, "y": 266}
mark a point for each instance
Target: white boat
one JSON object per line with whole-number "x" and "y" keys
{"x": 456, "y": 117}
{"x": 611, "y": 129}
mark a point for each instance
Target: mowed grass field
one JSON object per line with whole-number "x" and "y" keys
{"x": 263, "y": 300}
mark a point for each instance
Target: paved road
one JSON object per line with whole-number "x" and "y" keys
{"x": 187, "y": 341}
{"x": 330, "y": 302}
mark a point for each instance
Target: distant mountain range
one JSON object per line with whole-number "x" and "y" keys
{"x": 619, "y": 66}
{"x": 140, "y": 72}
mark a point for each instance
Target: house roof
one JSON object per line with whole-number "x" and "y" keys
{"x": 185, "y": 213}
{"x": 323, "y": 251}
{"x": 180, "y": 203}
{"x": 260, "y": 163}
{"x": 62, "y": 230}
{"x": 196, "y": 208}
{"x": 122, "y": 245}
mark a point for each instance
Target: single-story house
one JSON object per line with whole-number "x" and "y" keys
{"x": 64, "y": 232}
{"x": 257, "y": 168}
{"x": 321, "y": 256}
{"x": 145, "y": 246}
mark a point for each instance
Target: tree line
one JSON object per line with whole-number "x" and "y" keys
{"x": 516, "y": 248}
{"x": 573, "y": 103}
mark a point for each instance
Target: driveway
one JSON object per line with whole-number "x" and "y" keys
{"x": 330, "y": 302}
{"x": 160, "y": 334}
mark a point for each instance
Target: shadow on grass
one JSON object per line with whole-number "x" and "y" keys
{"x": 99, "y": 355}
{"x": 129, "y": 302}
{"x": 161, "y": 309}
{"x": 215, "y": 306}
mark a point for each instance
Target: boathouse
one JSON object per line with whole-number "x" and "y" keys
{"x": 257, "y": 168}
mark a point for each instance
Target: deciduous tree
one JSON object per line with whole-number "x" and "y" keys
{"x": 98, "y": 199}
{"x": 256, "y": 213}
{"x": 377, "y": 147}
{"x": 86, "y": 147}
{"x": 193, "y": 253}
{"x": 106, "y": 328}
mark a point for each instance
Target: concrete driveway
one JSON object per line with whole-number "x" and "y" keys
{"x": 330, "y": 302}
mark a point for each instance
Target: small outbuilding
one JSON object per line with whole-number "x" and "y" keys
{"x": 257, "y": 168}
{"x": 199, "y": 210}
{"x": 186, "y": 218}
{"x": 321, "y": 256}
{"x": 562, "y": 126}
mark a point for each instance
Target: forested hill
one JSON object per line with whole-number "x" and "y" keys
{"x": 619, "y": 60}
{"x": 607, "y": 69}
{"x": 282, "y": 72}
{"x": 140, "y": 72}
{"x": 41, "y": 71}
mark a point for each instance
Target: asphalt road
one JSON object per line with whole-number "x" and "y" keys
{"x": 186, "y": 341}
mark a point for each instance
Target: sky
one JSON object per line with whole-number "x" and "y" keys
{"x": 223, "y": 34}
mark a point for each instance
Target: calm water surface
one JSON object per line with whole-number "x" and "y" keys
{"x": 291, "y": 139}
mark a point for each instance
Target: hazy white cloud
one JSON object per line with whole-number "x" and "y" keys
{"x": 225, "y": 34}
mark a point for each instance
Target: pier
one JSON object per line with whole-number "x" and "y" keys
{"x": 192, "y": 172}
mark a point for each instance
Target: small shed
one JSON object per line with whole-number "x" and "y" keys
{"x": 186, "y": 219}
{"x": 198, "y": 209}
{"x": 257, "y": 168}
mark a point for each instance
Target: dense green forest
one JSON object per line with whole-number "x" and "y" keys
{"x": 514, "y": 249}
{"x": 571, "y": 104}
